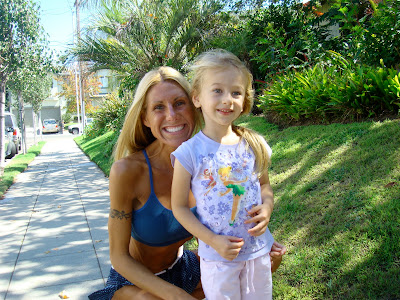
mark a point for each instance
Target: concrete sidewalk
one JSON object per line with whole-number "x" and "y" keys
{"x": 53, "y": 227}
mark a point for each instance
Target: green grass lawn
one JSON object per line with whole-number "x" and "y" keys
{"x": 337, "y": 207}
{"x": 99, "y": 149}
{"x": 17, "y": 165}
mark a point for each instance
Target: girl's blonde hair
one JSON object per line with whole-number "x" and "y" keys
{"x": 219, "y": 59}
{"x": 135, "y": 136}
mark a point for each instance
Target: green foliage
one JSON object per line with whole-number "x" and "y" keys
{"x": 99, "y": 147}
{"x": 110, "y": 115}
{"x": 20, "y": 49}
{"x": 369, "y": 33}
{"x": 19, "y": 29}
{"x": 382, "y": 35}
{"x": 337, "y": 89}
{"x": 133, "y": 37}
{"x": 274, "y": 38}
{"x": 283, "y": 38}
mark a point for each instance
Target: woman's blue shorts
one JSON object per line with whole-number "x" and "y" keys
{"x": 184, "y": 274}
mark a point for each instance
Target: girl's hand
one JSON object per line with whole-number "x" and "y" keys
{"x": 227, "y": 246}
{"x": 260, "y": 215}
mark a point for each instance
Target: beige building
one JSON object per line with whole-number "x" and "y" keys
{"x": 54, "y": 107}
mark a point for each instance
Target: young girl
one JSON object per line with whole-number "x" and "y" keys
{"x": 225, "y": 166}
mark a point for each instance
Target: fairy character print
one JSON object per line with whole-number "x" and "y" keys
{"x": 211, "y": 182}
{"x": 232, "y": 185}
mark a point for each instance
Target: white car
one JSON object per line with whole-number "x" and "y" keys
{"x": 77, "y": 128}
{"x": 50, "y": 125}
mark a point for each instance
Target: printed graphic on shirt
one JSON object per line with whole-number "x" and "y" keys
{"x": 234, "y": 187}
{"x": 228, "y": 173}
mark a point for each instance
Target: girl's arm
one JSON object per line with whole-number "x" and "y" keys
{"x": 122, "y": 192}
{"x": 262, "y": 213}
{"x": 227, "y": 246}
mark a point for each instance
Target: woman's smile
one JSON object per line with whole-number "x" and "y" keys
{"x": 173, "y": 129}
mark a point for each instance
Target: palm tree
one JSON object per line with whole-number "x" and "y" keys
{"x": 132, "y": 37}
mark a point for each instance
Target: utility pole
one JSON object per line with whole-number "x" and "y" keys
{"x": 81, "y": 89}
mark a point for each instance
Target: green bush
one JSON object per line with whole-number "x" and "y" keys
{"x": 337, "y": 89}
{"x": 273, "y": 38}
{"x": 110, "y": 115}
{"x": 382, "y": 35}
{"x": 283, "y": 37}
{"x": 369, "y": 33}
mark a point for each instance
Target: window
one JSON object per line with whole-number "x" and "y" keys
{"x": 104, "y": 81}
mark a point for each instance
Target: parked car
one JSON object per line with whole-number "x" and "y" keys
{"x": 12, "y": 135}
{"x": 77, "y": 128}
{"x": 50, "y": 125}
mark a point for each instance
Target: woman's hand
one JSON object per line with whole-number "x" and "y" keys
{"x": 277, "y": 251}
{"x": 227, "y": 246}
{"x": 259, "y": 215}
{"x": 182, "y": 295}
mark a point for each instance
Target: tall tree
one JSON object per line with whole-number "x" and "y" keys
{"x": 32, "y": 82}
{"x": 19, "y": 30}
{"x": 131, "y": 36}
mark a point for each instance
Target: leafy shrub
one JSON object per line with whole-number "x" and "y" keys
{"x": 283, "y": 37}
{"x": 332, "y": 90}
{"x": 110, "y": 115}
{"x": 382, "y": 35}
{"x": 273, "y": 38}
{"x": 369, "y": 33}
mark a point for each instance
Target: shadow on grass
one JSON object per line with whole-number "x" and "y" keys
{"x": 340, "y": 222}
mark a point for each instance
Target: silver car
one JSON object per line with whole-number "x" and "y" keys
{"x": 12, "y": 135}
{"x": 50, "y": 125}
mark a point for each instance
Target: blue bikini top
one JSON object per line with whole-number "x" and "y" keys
{"x": 155, "y": 225}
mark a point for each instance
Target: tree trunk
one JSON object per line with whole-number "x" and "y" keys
{"x": 22, "y": 122}
{"x": 34, "y": 125}
{"x": 2, "y": 125}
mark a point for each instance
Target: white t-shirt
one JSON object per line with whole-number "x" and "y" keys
{"x": 221, "y": 176}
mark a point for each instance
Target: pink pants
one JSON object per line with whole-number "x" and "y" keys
{"x": 241, "y": 280}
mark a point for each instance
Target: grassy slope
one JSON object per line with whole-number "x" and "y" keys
{"x": 99, "y": 149}
{"x": 340, "y": 223}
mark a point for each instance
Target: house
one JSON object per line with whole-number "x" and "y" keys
{"x": 54, "y": 106}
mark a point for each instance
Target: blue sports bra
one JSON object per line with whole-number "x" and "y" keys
{"x": 155, "y": 225}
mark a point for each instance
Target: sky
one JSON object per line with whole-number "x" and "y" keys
{"x": 58, "y": 21}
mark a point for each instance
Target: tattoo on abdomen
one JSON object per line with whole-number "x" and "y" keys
{"x": 116, "y": 214}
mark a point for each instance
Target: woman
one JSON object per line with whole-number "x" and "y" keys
{"x": 145, "y": 239}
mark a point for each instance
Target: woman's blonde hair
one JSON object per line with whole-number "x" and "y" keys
{"x": 135, "y": 136}
{"x": 219, "y": 59}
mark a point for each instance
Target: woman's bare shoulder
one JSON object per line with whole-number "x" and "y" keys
{"x": 129, "y": 174}
{"x": 129, "y": 166}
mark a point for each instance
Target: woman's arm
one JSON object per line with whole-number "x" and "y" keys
{"x": 123, "y": 183}
{"x": 261, "y": 214}
{"x": 227, "y": 246}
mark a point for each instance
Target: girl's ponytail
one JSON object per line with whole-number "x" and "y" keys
{"x": 258, "y": 145}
